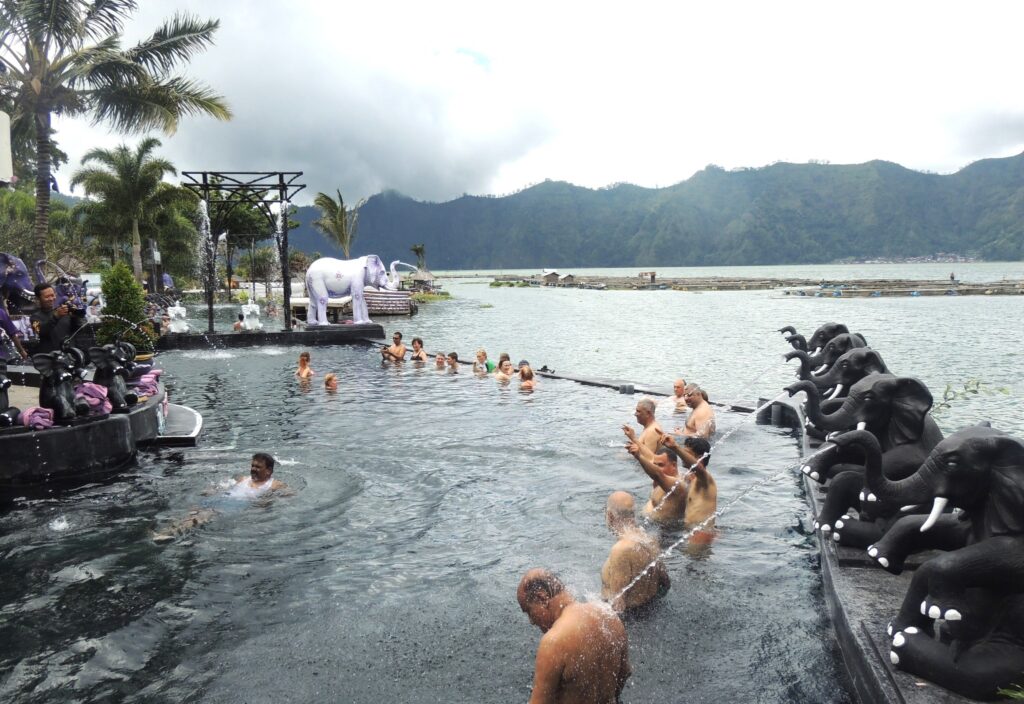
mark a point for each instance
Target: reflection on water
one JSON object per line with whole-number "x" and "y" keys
{"x": 422, "y": 497}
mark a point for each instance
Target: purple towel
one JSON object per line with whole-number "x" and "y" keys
{"x": 37, "y": 418}
{"x": 149, "y": 383}
{"x": 96, "y": 396}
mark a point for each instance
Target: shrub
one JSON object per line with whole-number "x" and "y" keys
{"x": 124, "y": 298}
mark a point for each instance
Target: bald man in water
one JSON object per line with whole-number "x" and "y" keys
{"x": 690, "y": 498}
{"x": 701, "y": 421}
{"x": 678, "y": 398}
{"x": 633, "y": 557}
{"x": 583, "y": 657}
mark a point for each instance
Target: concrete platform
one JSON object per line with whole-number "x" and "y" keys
{"x": 308, "y": 337}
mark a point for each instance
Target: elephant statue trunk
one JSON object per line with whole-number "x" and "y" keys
{"x": 804, "y": 372}
{"x": 909, "y": 491}
{"x": 837, "y": 420}
{"x": 799, "y": 342}
{"x": 9, "y": 415}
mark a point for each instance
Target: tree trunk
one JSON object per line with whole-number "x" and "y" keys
{"x": 43, "y": 163}
{"x": 137, "y": 251}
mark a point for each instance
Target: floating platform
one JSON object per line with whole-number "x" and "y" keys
{"x": 378, "y": 302}
{"x": 309, "y": 337}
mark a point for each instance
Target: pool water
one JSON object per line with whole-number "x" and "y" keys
{"x": 420, "y": 499}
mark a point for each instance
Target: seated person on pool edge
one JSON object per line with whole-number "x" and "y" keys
{"x": 259, "y": 483}
{"x": 584, "y": 653}
{"x": 53, "y": 324}
{"x": 630, "y": 557}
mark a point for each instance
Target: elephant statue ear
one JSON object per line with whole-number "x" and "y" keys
{"x": 873, "y": 363}
{"x": 1004, "y": 503}
{"x": 910, "y": 402}
{"x": 860, "y": 339}
{"x": 44, "y": 362}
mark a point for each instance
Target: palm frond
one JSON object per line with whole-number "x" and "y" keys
{"x": 176, "y": 41}
{"x": 106, "y": 17}
{"x": 155, "y": 105}
{"x": 96, "y": 181}
{"x": 52, "y": 22}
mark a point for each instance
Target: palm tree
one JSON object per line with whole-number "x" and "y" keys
{"x": 336, "y": 221}
{"x": 64, "y": 57}
{"x": 130, "y": 184}
{"x": 421, "y": 256}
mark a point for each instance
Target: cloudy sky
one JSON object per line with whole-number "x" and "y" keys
{"x": 443, "y": 98}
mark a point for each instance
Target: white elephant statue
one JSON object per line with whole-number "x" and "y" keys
{"x": 329, "y": 277}
{"x": 251, "y": 316}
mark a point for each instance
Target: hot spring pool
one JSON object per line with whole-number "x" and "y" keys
{"x": 420, "y": 500}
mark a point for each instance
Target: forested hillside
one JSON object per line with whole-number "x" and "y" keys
{"x": 784, "y": 213}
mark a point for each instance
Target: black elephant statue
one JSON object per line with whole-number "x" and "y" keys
{"x": 892, "y": 409}
{"x": 834, "y": 349}
{"x": 977, "y": 585}
{"x": 111, "y": 372}
{"x": 15, "y": 285}
{"x": 847, "y": 370}
{"x": 847, "y": 489}
{"x": 57, "y": 391}
{"x": 819, "y": 338}
{"x": 9, "y": 415}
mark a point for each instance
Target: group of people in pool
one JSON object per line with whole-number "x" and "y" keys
{"x": 583, "y": 655}
{"x": 503, "y": 371}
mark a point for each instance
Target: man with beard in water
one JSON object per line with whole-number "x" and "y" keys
{"x": 583, "y": 657}
{"x": 260, "y": 482}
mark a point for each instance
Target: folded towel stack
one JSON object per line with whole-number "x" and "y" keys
{"x": 96, "y": 396}
{"x": 37, "y": 418}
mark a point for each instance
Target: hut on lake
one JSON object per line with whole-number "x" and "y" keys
{"x": 550, "y": 277}
{"x": 566, "y": 280}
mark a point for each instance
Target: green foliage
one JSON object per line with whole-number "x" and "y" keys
{"x": 66, "y": 58}
{"x": 1013, "y": 692}
{"x": 124, "y": 298}
{"x": 779, "y": 214}
{"x": 971, "y": 388}
{"x": 421, "y": 256}
{"x": 424, "y": 297}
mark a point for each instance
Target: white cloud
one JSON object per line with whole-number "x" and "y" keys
{"x": 435, "y": 99}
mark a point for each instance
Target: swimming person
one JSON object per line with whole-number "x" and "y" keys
{"x": 418, "y": 353}
{"x": 238, "y": 323}
{"x": 304, "y": 371}
{"x": 678, "y": 398}
{"x": 504, "y": 373}
{"x": 701, "y": 489}
{"x": 260, "y": 482}
{"x": 453, "y": 362}
{"x": 634, "y": 551}
{"x": 667, "y": 503}
{"x": 583, "y": 655}
{"x": 440, "y": 361}
{"x": 482, "y": 364}
{"x": 644, "y": 414}
{"x": 526, "y": 380}
{"x": 396, "y": 351}
{"x": 331, "y": 381}
{"x": 701, "y": 421}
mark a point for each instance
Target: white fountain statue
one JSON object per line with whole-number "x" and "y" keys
{"x": 251, "y": 316}
{"x": 177, "y": 314}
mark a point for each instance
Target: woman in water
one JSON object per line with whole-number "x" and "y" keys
{"x": 331, "y": 381}
{"x": 526, "y": 378}
{"x": 504, "y": 373}
{"x": 418, "y": 353}
{"x": 304, "y": 371}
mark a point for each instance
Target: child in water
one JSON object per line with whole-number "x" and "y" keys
{"x": 304, "y": 371}
{"x": 331, "y": 381}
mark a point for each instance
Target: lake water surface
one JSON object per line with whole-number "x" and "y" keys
{"x": 421, "y": 497}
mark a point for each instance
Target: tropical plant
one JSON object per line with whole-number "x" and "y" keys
{"x": 337, "y": 221}
{"x": 260, "y": 265}
{"x": 130, "y": 184}
{"x": 124, "y": 309}
{"x": 420, "y": 251}
{"x": 64, "y": 57}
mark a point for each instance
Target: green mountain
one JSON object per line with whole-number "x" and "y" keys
{"x": 779, "y": 214}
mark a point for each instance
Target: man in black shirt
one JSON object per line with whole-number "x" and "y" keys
{"x": 53, "y": 324}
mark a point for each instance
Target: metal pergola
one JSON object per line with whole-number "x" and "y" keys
{"x": 229, "y": 189}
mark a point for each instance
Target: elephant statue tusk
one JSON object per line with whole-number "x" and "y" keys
{"x": 836, "y": 391}
{"x": 937, "y": 508}
{"x": 862, "y": 425}
{"x": 820, "y": 369}
{"x": 817, "y": 350}
{"x": 908, "y": 509}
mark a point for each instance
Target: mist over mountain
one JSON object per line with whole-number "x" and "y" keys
{"x": 778, "y": 214}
